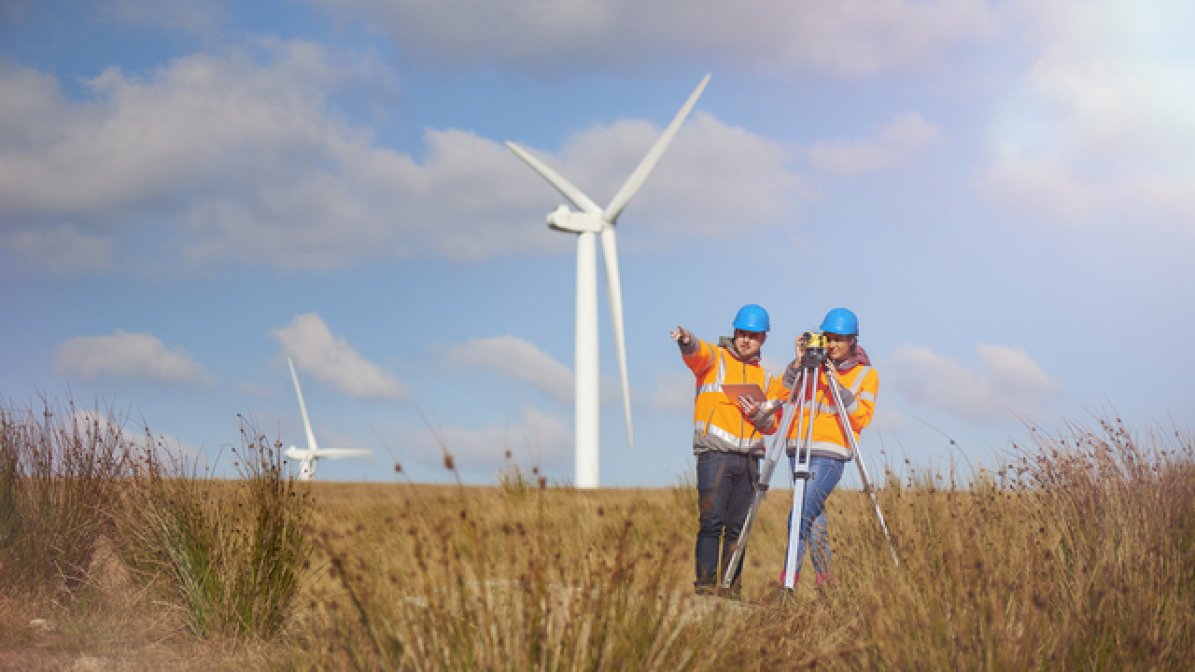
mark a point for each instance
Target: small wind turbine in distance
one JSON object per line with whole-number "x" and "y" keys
{"x": 309, "y": 456}
{"x": 591, "y": 221}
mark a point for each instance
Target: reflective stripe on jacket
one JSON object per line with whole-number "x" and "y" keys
{"x": 718, "y": 423}
{"x": 829, "y": 439}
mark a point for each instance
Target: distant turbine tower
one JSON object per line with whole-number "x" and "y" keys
{"x": 309, "y": 456}
{"x": 589, "y": 221}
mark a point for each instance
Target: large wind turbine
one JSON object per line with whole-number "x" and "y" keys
{"x": 591, "y": 221}
{"x": 308, "y": 456}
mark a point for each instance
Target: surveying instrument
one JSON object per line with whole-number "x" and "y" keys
{"x": 800, "y": 407}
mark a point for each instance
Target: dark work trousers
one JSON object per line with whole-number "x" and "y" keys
{"x": 725, "y": 488}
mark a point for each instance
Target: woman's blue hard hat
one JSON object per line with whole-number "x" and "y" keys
{"x": 840, "y": 321}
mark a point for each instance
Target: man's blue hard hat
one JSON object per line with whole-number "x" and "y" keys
{"x": 752, "y": 317}
{"x": 840, "y": 321}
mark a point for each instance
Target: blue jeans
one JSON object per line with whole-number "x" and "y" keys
{"x": 825, "y": 472}
{"x": 725, "y": 489}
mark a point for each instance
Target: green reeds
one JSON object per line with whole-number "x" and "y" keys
{"x": 230, "y": 552}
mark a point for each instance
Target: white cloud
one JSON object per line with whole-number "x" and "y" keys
{"x": 537, "y": 438}
{"x": 853, "y": 37}
{"x": 170, "y": 450}
{"x": 903, "y": 137}
{"x": 202, "y": 121}
{"x": 887, "y": 419}
{"x": 330, "y": 359}
{"x": 522, "y": 360}
{"x": 1103, "y": 121}
{"x": 126, "y": 355}
{"x": 1009, "y": 383}
{"x": 1013, "y": 370}
{"x": 1043, "y": 186}
{"x": 517, "y": 358}
{"x": 674, "y": 391}
{"x": 240, "y": 157}
{"x": 711, "y": 174}
{"x": 182, "y": 15}
{"x": 64, "y": 250}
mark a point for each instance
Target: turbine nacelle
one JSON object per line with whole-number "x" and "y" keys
{"x": 564, "y": 219}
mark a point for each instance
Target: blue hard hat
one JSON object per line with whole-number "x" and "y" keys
{"x": 752, "y": 317}
{"x": 841, "y": 321}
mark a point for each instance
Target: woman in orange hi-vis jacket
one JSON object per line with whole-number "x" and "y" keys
{"x": 830, "y": 449}
{"x": 725, "y": 439}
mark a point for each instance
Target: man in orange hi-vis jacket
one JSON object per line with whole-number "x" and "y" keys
{"x": 725, "y": 439}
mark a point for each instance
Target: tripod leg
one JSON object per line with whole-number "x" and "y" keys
{"x": 791, "y": 558}
{"x": 875, "y": 502}
{"x": 793, "y": 408}
{"x": 845, "y": 422}
{"x": 801, "y": 475}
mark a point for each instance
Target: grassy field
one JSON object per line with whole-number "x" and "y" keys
{"x": 1079, "y": 555}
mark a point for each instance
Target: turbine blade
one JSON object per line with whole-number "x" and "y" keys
{"x": 645, "y": 166}
{"x": 311, "y": 445}
{"x": 337, "y": 453}
{"x": 614, "y": 292}
{"x": 573, "y": 194}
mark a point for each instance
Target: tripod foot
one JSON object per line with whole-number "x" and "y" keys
{"x": 786, "y": 596}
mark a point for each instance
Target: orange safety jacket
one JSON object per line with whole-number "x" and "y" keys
{"x": 718, "y": 422}
{"x": 829, "y": 439}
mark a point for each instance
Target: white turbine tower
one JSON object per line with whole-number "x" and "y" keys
{"x": 591, "y": 221}
{"x": 308, "y": 456}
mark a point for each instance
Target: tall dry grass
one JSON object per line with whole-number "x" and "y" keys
{"x": 1077, "y": 554}
{"x": 470, "y": 578}
{"x": 59, "y": 470}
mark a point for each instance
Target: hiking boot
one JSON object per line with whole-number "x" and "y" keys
{"x": 734, "y": 592}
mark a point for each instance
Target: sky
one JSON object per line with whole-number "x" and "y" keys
{"x": 190, "y": 193}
